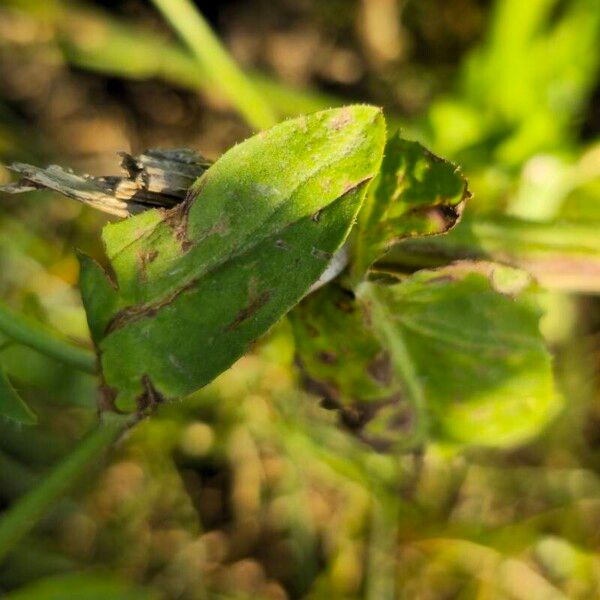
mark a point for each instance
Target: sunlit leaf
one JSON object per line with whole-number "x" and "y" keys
{"x": 466, "y": 343}
{"x": 417, "y": 193}
{"x": 12, "y": 407}
{"x": 195, "y": 285}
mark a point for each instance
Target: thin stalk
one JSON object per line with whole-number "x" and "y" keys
{"x": 26, "y": 513}
{"x": 380, "y": 581}
{"x": 32, "y": 334}
{"x": 216, "y": 61}
{"x": 560, "y": 255}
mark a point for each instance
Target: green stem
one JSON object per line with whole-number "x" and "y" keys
{"x": 27, "y": 512}
{"x": 36, "y": 336}
{"x": 559, "y": 254}
{"x": 216, "y": 61}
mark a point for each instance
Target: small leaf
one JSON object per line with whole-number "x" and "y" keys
{"x": 416, "y": 193}
{"x": 195, "y": 285}
{"x": 12, "y": 407}
{"x": 343, "y": 361}
{"x": 465, "y": 341}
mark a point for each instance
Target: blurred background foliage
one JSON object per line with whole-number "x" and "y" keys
{"x": 249, "y": 489}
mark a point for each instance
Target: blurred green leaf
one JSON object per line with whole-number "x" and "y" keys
{"x": 25, "y": 513}
{"x": 81, "y": 587}
{"x": 456, "y": 350}
{"x": 12, "y": 407}
{"x": 466, "y": 343}
{"x": 563, "y": 255}
{"x": 95, "y": 40}
{"x": 30, "y": 333}
{"x": 216, "y": 61}
{"x": 343, "y": 361}
{"x": 416, "y": 193}
{"x": 522, "y": 88}
{"x": 197, "y": 284}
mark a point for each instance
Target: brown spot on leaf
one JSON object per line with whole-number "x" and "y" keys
{"x": 343, "y": 118}
{"x": 312, "y": 331}
{"x": 380, "y": 369}
{"x": 346, "y": 301}
{"x": 245, "y": 313}
{"x": 131, "y": 314}
{"x": 145, "y": 258}
{"x": 178, "y": 216}
{"x": 177, "y": 219}
{"x": 150, "y": 397}
{"x": 327, "y": 357}
{"x": 440, "y": 279}
{"x": 329, "y": 393}
{"x": 357, "y": 416}
{"x": 106, "y": 399}
{"x": 321, "y": 254}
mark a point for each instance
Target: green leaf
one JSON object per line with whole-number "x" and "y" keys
{"x": 12, "y": 407}
{"x": 195, "y": 285}
{"x": 466, "y": 343}
{"x": 416, "y": 193}
{"x": 453, "y": 353}
{"x": 81, "y": 587}
{"x": 343, "y": 361}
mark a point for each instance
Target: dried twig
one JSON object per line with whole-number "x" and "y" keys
{"x": 152, "y": 179}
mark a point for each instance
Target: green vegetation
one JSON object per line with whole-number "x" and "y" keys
{"x": 337, "y": 365}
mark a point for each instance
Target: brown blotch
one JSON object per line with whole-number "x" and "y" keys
{"x": 245, "y": 313}
{"x": 356, "y": 417}
{"x": 106, "y": 399}
{"x": 440, "y": 279}
{"x": 321, "y": 254}
{"x": 177, "y": 217}
{"x": 341, "y": 119}
{"x": 145, "y": 258}
{"x": 329, "y": 393}
{"x": 311, "y": 330}
{"x": 327, "y": 357}
{"x": 134, "y": 313}
{"x": 150, "y": 397}
{"x": 221, "y": 227}
{"x": 346, "y": 302}
{"x": 380, "y": 369}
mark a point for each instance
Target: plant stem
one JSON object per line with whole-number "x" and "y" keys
{"x": 27, "y": 512}
{"x": 216, "y": 61}
{"x": 560, "y": 255}
{"x": 36, "y": 336}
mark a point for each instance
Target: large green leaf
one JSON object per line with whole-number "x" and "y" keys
{"x": 453, "y": 353}
{"x": 416, "y": 193}
{"x": 12, "y": 406}
{"x": 466, "y": 343}
{"x": 195, "y": 285}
